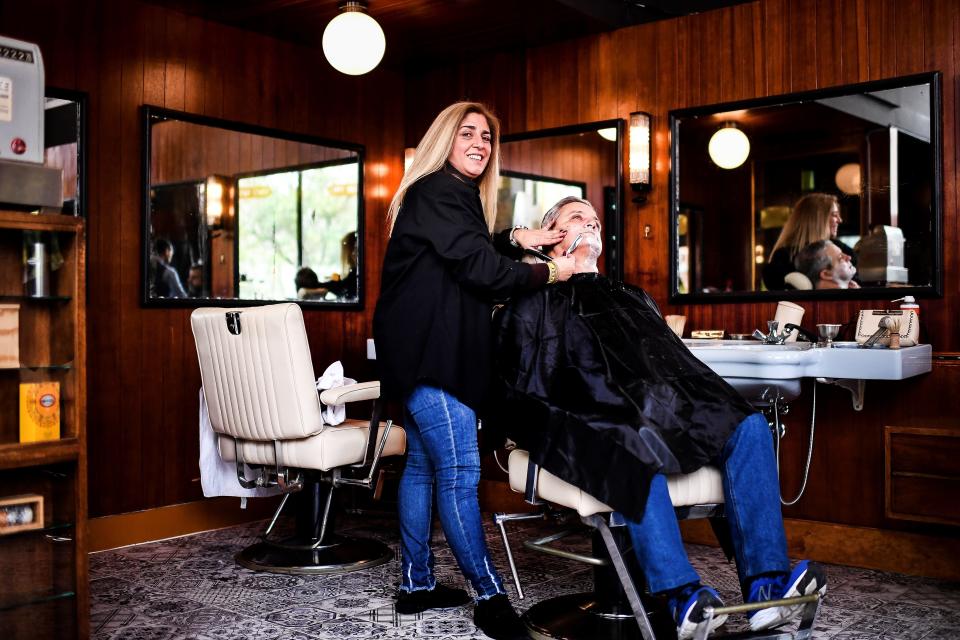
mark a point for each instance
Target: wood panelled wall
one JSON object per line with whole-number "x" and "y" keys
{"x": 752, "y": 50}
{"x": 143, "y": 376}
{"x": 183, "y": 151}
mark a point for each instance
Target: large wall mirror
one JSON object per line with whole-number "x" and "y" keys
{"x": 237, "y": 214}
{"x": 824, "y": 194}
{"x": 540, "y": 167}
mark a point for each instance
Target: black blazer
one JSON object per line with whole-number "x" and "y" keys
{"x": 441, "y": 275}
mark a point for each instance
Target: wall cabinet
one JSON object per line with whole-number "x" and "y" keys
{"x": 43, "y": 590}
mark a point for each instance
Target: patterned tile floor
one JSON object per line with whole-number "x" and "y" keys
{"x": 190, "y": 587}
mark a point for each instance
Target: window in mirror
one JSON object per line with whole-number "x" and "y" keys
{"x": 522, "y": 199}
{"x": 237, "y": 213}
{"x": 852, "y": 168}
{"x": 538, "y": 168}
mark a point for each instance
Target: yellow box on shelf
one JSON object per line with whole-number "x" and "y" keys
{"x": 39, "y": 411}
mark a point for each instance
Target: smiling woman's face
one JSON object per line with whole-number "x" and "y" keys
{"x": 471, "y": 146}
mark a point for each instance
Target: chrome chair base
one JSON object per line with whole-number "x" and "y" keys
{"x": 582, "y": 615}
{"x": 340, "y": 555}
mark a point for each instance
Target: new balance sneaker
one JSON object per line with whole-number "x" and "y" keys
{"x": 806, "y": 578}
{"x": 687, "y": 606}
{"x": 440, "y": 597}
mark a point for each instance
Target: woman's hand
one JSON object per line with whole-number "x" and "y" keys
{"x": 853, "y": 285}
{"x": 566, "y": 267}
{"x": 533, "y": 238}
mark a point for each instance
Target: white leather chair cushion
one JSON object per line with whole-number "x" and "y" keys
{"x": 703, "y": 486}
{"x": 260, "y": 384}
{"x": 335, "y": 446}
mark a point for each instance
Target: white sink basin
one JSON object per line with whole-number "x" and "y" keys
{"x": 761, "y": 372}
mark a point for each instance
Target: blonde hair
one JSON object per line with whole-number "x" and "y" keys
{"x": 809, "y": 223}
{"x": 435, "y": 148}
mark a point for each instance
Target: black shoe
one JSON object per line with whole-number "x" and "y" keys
{"x": 496, "y": 618}
{"x": 440, "y": 597}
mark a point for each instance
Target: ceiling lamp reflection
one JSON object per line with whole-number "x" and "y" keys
{"x": 729, "y": 147}
{"x": 848, "y": 178}
{"x": 353, "y": 42}
{"x": 610, "y": 133}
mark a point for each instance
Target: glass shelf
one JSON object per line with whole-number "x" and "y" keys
{"x": 55, "y": 530}
{"x": 41, "y": 367}
{"x": 8, "y": 298}
{"x": 39, "y": 598}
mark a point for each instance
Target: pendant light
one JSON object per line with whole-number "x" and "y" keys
{"x": 729, "y": 147}
{"x": 353, "y": 42}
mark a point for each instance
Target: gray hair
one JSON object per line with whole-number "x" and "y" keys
{"x": 813, "y": 259}
{"x": 554, "y": 212}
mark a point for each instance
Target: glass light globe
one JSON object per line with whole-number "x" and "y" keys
{"x": 353, "y": 43}
{"x": 729, "y": 147}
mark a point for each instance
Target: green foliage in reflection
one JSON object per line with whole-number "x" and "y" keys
{"x": 269, "y": 243}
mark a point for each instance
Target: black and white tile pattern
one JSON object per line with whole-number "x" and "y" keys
{"x": 190, "y": 588}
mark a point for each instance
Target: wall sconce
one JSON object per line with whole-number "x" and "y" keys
{"x": 218, "y": 202}
{"x": 640, "y": 154}
{"x": 408, "y": 155}
{"x": 729, "y": 147}
{"x": 353, "y": 42}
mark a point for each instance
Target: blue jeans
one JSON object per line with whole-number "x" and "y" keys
{"x": 752, "y": 494}
{"x": 442, "y": 451}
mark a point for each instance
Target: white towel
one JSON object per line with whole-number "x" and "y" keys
{"x": 333, "y": 377}
{"x": 217, "y": 476}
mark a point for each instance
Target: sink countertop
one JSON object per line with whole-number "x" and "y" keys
{"x": 740, "y": 359}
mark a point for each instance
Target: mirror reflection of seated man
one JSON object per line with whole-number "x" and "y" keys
{"x": 309, "y": 286}
{"x": 600, "y": 391}
{"x": 195, "y": 281}
{"x": 815, "y": 217}
{"x": 826, "y": 266}
{"x": 165, "y": 280}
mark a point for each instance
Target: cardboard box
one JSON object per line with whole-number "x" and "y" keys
{"x": 21, "y": 513}
{"x": 39, "y": 411}
{"x": 9, "y": 336}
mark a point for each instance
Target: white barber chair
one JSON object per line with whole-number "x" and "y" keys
{"x": 260, "y": 389}
{"x": 615, "y": 608}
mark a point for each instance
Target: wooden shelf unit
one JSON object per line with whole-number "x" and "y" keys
{"x": 46, "y": 591}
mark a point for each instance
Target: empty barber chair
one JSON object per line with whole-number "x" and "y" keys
{"x": 260, "y": 389}
{"x": 617, "y": 607}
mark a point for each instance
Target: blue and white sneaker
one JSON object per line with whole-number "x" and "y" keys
{"x": 806, "y": 578}
{"x": 687, "y": 608}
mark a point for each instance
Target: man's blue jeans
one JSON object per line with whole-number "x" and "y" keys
{"x": 442, "y": 451}
{"x": 752, "y": 494}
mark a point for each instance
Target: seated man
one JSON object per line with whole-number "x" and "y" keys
{"x": 605, "y": 396}
{"x": 826, "y": 265}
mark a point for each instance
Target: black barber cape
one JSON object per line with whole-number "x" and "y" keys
{"x": 595, "y": 385}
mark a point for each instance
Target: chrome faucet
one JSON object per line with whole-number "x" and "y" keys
{"x": 772, "y": 337}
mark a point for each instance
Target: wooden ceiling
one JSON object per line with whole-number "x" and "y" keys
{"x": 419, "y": 31}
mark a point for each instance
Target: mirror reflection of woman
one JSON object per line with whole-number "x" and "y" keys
{"x": 815, "y": 217}
{"x": 441, "y": 275}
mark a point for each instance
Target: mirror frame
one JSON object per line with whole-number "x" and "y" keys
{"x": 934, "y": 290}
{"x": 613, "y": 229}
{"x": 81, "y": 99}
{"x": 151, "y": 114}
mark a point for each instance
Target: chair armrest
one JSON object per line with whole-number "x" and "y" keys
{"x": 351, "y": 393}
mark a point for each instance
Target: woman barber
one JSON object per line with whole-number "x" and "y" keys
{"x": 815, "y": 217}
{"x": 441, "y": 276}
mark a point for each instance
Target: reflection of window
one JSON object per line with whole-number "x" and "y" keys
{"x": 522, "y": 199}
{"x": 289, "y": 219}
